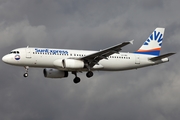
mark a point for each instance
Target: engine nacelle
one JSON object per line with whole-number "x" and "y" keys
{"x": 54, "y": 73}
{"x": 72, "y": 63}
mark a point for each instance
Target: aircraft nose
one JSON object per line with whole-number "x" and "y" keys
{"x": 5, "y": 59}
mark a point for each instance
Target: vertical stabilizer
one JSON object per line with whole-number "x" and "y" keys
{"x": 152, "y": 45}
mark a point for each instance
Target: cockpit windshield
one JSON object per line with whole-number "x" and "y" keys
{"x": 14, "y": 52}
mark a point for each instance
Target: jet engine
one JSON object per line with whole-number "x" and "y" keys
{"x": 72, "y": 63}
{"x": 54, "y": 73}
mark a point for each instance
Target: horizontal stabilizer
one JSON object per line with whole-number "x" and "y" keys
{"x": 161, "y": 56}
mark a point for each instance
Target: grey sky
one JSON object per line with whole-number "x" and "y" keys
{"x": 148, "y": 93}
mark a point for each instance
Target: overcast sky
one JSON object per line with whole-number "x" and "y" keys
{"x": 151, "y": 93}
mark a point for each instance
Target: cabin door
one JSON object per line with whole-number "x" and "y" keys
{"x": 28, "y": 52}
{"x": 137, "y": 59}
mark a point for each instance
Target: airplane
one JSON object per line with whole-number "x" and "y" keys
{"x": 57, "y": 63}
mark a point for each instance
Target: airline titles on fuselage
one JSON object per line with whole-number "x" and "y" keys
{"x": 54, "y": 51}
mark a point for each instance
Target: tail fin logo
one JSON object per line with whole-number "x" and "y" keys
{"x": 152, "y": 45}
{"x": 154, "y": 37}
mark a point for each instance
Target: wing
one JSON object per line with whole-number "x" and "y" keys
{"x": 94, "y": 58}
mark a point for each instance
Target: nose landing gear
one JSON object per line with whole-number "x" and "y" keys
{"x": 26, "y": 72}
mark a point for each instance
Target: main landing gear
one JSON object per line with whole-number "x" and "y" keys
{"x": 77, "y": 79}
{"x": 26, "y": 72}
{"x": 89, "y": 74}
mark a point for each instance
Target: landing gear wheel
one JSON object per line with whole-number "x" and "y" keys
{"x": 25, "y": 74}
{"x": 77, "y": 80}
{"x": 89, "y": 74}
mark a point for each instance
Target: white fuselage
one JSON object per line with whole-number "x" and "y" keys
{"x": 46, "y": 57}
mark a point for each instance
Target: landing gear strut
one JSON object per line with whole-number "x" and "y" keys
{"x": 89, "y": 73}
{"x": 26, "y": 72}
{"x": 76, "y": 79}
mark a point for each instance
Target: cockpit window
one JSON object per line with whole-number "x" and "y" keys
{"x": 14, "y": 52}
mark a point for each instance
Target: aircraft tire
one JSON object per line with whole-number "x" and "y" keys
{"x": 89, "y": 74}
{"x": 76, "y": 80}
{"x": 25, "y": 74}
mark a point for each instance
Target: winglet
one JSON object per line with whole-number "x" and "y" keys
{"x": 131, "y": 42}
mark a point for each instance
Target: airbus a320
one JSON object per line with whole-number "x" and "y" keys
{"x": 57, "y": 63}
